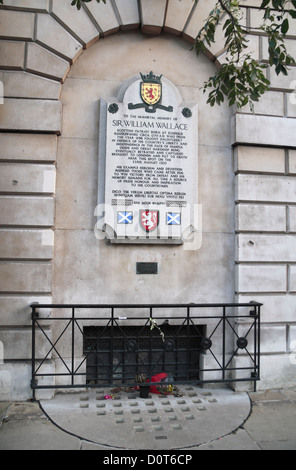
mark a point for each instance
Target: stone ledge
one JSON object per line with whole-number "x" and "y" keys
{"x": 16, "y": 311}
{"x": 261, "y": 218}
{"x": 22, "y": 211}
{"x": 276, "y": 308}
{"x": 26, "y": 85}
{"x": 26, "y": 244}
{"x": 262, "y": 278}
{"x": 28, "y": 147}
{"x": 25, "y": 277}
{"x": 265, "y": 188}
{"x": 31, "y": 115}
{"x": 259, "y": 159}
{"x": 27, "y": 178}
{"x": 263, "y": 130}
{"x": 272, "y": 338}
{"x": 265, "y": 248}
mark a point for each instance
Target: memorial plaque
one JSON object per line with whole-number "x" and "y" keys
{"x": 148, "y": 169}
{"x": 147, "y": 268}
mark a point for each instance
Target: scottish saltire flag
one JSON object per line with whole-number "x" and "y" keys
{"x": 173, "y": 218}
{"x": 124, "y": 217}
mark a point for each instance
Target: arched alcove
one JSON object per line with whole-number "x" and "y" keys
{"x": 48, "y": 252}
{"x": 55, "y": 64}
{"x": 87, "y": 269}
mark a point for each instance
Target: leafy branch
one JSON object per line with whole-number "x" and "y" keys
{"x": 276, "y": 31}
{"x": 240, "y": 85}
{"x": 241, "y": 79}
{"x": 78, "y": 3}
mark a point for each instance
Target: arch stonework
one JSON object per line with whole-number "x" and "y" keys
{"x": 40, "y": 40}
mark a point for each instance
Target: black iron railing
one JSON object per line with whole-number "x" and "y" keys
{"x": 76, "y": 346}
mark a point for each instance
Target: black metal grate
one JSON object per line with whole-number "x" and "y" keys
{"x": 119, "y": 353}
{"x": 211, "y": 343}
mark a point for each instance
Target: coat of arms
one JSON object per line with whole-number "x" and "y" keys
{"x": 149, "y": 219}
{"x": 151, "y": 89}
{"x": 151, "y": 94}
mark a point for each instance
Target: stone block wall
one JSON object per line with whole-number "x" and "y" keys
{"x": 39, "y": 42}
{"x": 265, "y": 248}
{"x": 27, "y": 181}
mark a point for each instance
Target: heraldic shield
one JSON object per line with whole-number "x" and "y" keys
{"x": 149, "y": 220}
{"x": 150, "y": 93}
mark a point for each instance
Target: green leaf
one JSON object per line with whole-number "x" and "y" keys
{"x": 285, "y": 26}
{"x": 272, "y": 43}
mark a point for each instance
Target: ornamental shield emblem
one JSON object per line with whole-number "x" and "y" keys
{"x": 149, "y": 220}
{"x": 150, "y": 93}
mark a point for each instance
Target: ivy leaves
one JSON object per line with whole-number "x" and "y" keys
{"x": 241, "y": 80}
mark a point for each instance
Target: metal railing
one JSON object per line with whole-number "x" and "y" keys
{"x": 79, "y": 345}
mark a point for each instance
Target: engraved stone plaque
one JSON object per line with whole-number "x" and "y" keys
{"x": 148, "y": 163}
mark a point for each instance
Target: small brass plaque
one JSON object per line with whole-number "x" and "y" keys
{"x": 147, "y": 268}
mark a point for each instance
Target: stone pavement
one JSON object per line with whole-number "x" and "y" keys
{"x": 202, "y": 419}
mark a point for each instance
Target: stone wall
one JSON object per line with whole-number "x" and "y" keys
{"x": 48, "y": 178}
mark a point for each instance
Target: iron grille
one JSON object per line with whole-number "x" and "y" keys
{"x": 88, "y": 345}
{"x": 118, "y": 354}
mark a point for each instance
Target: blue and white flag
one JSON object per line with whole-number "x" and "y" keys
{"x": 124, "y": 217}
{"x": 173, "y": 218}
